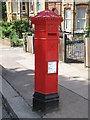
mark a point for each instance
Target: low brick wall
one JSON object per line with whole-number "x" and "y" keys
{"x": 30, "y": 44}
{"x": 61, "y": 49}
{"x": 87, "y": 40}
{"x": 5, "y": 41}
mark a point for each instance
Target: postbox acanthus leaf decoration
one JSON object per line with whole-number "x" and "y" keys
{"x": 46, "y": 16}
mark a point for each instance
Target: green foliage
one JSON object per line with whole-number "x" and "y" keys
{"x": 8, "y": 29}
{"x": 81, "y": 37}
{"x": 15, "y": 39}
{"x": 5, "y": 29}
{"x": 29, "y": 33}
{"x": 20, "y": 26}
{"x": 87, "y": 31}
{"x": 25, "y": 39}
{"x": 13, "y": 30}
{"x": 32, "y": 30}
{"x": 1, "y": 34}
{"x": 4, "y": 15}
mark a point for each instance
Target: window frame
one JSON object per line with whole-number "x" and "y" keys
{"x": 9, "y": 7}
{"x": 18, "y": 7}
{"x": 13, "y": 7}
{"x": 22, "y": 7}
{"x": 38, "y": 6}
{"x": 66, "y": 19}
{"x": 80, "y": 19}
{"x": 31, "y": 5}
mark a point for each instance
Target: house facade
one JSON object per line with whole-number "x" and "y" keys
{"x": 17, "y": 9}
{"x": 55, "y": 6}
{"x": 76, "y": 16}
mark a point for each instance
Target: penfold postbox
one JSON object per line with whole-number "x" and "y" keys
{"x": 46, "y": 59}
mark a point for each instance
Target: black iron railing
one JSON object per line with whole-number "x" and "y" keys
{"x": 74, "y": 50}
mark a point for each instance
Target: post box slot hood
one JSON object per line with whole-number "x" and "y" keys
{"x": 46, "y": 15}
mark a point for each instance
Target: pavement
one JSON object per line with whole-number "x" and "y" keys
{"x": 74, "y": 77}
{"x": 5, "y": 113}
{"x": 17, "y": 81}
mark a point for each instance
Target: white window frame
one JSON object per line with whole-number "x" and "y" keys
{"x": 38, "y": 5}
{"x": 9, "y": 7}
{"x": 31, "y": 5}
{"x": 66, "y": 19}
{"x": 18, "y": 7}
{"x": 14, "y": 9}
{"x": 80, "y": 19}
{"x": 22, "y": 7}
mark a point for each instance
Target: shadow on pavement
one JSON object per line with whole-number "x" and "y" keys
{"x": 75, "y": 84}
{"x": 70, "y": 104}
{"x": 22, "y": 81}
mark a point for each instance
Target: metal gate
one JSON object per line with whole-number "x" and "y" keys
{"x": 74, "y": 50}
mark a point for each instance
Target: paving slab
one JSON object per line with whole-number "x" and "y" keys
{"x": 22, "y": 81}
{"x": 5, "y": 114}
{"x": 7, "y": 90}
{"x": 71, "y": 106}
{"x": 73, "y": 70}
{"x": 79, "y": 86}
{"x": 16, "y": 102}
{"x": 74, "y": 77}
{"x": 0, "y": 106}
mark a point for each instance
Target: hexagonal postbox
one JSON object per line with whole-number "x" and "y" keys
{"x": 46, "y": 59}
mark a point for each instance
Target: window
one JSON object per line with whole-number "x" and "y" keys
{"x": 23, "y": 6}
{"x": 31, "y": 5}
{"x": 18, "y": 7}
{"x": 14, "y": 7}
{"x": 68, "y": 20}
{"x": 9, "y": 7}
{"x": 81, "y": 18}
{"x": 38, "y": 5}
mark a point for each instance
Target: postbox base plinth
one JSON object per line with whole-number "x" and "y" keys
{"x": 45, "y": 102}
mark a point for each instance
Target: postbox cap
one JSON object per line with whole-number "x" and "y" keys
{"x": 46, "y": 15}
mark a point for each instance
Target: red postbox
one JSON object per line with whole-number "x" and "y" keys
{"x": 46, "y": 59}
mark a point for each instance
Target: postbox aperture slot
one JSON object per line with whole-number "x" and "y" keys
{"x": 52, "y": 34}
